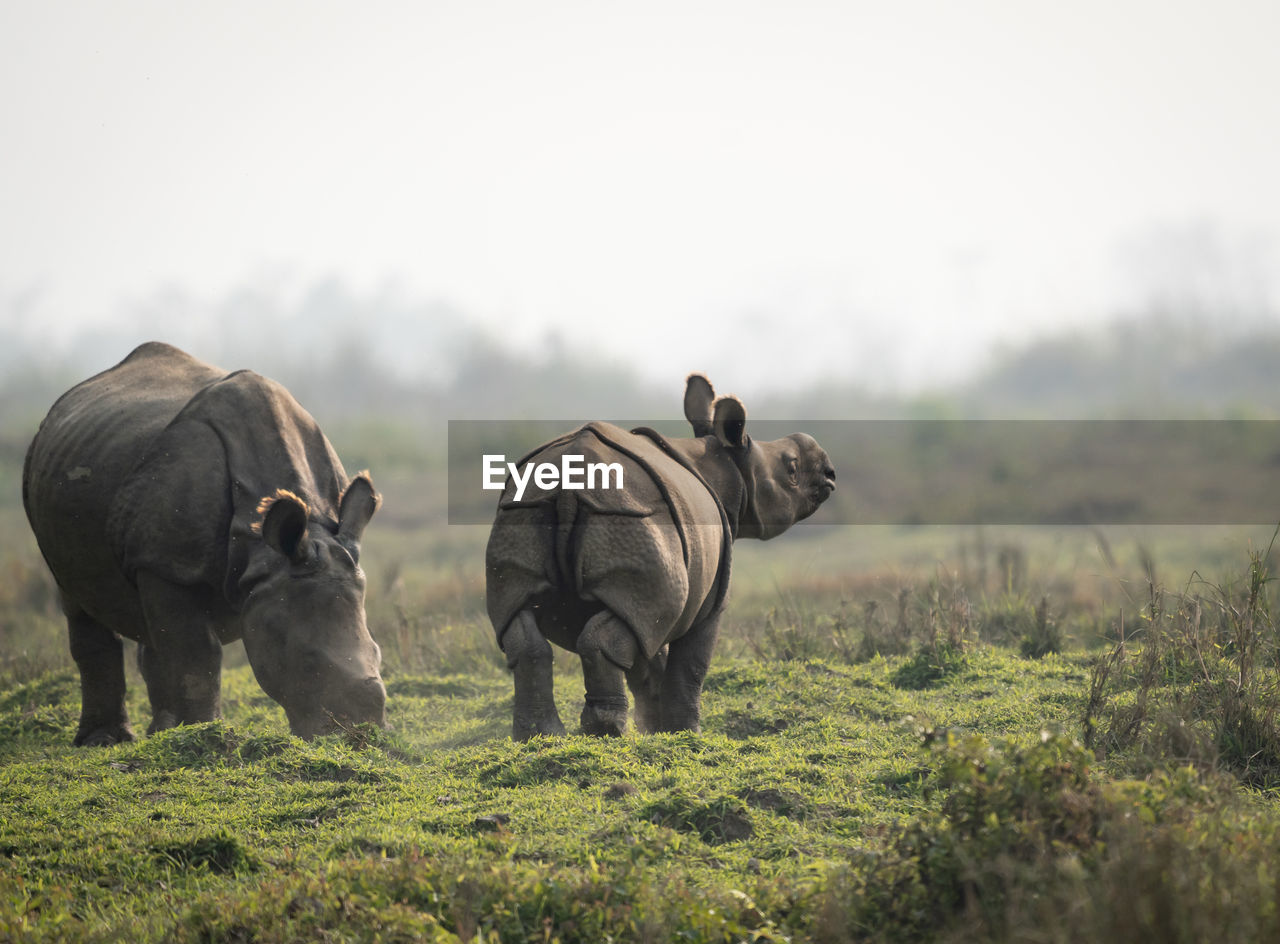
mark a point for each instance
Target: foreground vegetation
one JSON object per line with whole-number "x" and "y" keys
{"x": 988, "y": 753}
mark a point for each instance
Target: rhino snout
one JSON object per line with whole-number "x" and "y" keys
{"x": 369, "y": 699}
{"x": 361, "y": 702}
{"x": 365, "y": 702}
{"x": 823, "y": 488}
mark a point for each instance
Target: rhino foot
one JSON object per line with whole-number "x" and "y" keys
{"x": 105, "y": 736}
{"x": 529, "y": 657}
{"x": 163, "y": 720}
{"x": 599, "y": 721}
{"x": 524, "y": 730}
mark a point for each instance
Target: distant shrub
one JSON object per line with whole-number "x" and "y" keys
{"x": 794, "y": 630}
{"x": 1005, "y": 808}
{"x": 884, "y": 639}
{"x": 1198, "y": 684}
{"x": 1027, "y": 835}
{"x": 33, "y": 631}
{"x": 946, "y": 642}
{"x": 1044, "y": 636}
{"x": 929, "y": 666}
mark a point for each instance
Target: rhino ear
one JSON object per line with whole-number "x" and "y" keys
{"x": 730, "y": 422}
{"x": 284, "y": 525}
{"x": 698, "y": 396}
{"x": 358, "y": 504}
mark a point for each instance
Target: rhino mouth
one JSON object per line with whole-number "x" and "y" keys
{"x": 311, "y": 728}
{"x": 822, "y": 490}
{"x": 366, "y": 705}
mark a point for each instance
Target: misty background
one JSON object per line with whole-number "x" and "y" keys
{"x": 436, "y": 211}
{"x": 411, "y": 213}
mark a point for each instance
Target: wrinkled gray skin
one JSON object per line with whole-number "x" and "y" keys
{"x": 184, "y": 507}
{"x": 634, "y": 581}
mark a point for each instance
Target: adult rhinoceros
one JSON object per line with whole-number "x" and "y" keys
{"x": 183, "y": 507}
{"x": 634, "y": 579}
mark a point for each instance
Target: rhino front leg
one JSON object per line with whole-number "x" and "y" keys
{"x": 529, "y": 658}
{"x": 185, "y": 688}
{"x": 645, "y": 682}
{"x": 688, "y": 660}
{"x": 99, "y": 655}
{"x": 181, "y": 659}
{"x": 608, "y": 649}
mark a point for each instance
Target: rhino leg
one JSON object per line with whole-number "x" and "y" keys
{"x": 608, "y": 649}
{"x": 645, "y": 682}
{"x": 688, "y": 659}
{"x": 180, "y": 692}
{"x": 529, "y": 658}
{"x": 99, "y": 655}
{"x": 181, "y": 660}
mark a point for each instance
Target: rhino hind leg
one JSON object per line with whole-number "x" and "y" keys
{"x": 645, "y": 682}
{"x": 609, "y": 651}
{"x": 530, "y": 660}
{"x": 688, "y": 660}
{"x": 99, "y": 655}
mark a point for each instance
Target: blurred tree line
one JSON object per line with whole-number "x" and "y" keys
{"x": 348, "y": 357}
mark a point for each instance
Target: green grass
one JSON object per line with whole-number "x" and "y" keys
{"x": 798, "y": 764}
{"x": 822, "y": 801}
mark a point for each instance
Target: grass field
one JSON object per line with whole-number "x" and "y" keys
{"x": 909, "y": 734}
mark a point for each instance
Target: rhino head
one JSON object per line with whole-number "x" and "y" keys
{"x": 773, "y": 484}
{"x": 304, "y": 623}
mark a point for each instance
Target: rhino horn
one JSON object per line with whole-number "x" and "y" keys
{"x": 698, "y": 397}
{"x": 284, "y": 525}
{"x": 357, "y": 506}
{"x": 729, "y": 422}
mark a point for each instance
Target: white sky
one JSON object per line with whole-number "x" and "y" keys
{"x": 856, "y": 189}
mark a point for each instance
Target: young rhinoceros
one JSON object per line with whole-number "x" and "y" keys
{"x": 634, "y": 579}
{"x": 185, "y": 507}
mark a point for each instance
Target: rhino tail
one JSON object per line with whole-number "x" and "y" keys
{"x": 565, "y": 540}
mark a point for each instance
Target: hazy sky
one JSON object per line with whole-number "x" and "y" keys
{"x": 860, "y": 189}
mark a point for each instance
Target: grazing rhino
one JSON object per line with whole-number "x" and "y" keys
{"x": 185, "y": 507}
{"x": 634, "y": 579}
